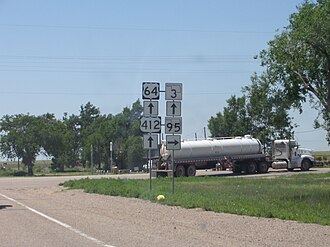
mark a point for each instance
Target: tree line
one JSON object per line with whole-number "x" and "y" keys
{"x": 297, "y": 70}
{"x": 67, "y": 142}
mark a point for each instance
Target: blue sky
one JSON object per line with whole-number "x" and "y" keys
{"x": 58, "y": 55}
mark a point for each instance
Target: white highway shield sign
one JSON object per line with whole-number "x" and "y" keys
{"x": 150, "y": 90}
{"x": 150, "y": 124}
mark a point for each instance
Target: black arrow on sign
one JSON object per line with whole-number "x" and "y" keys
{"x": 175, "y": 142}
{"x": 150, "y": 139}
{"x": 151, "y": 105}
{"x": 173, "y": 106}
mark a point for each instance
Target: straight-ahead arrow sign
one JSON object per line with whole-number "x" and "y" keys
{"x": 173, "y": 108}
{"x": 150, "y": 141}
{"x": 150, "y": 108}
{"x": 151, "y": 105}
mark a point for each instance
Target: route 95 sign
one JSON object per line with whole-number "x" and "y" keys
{"x": 173, "y": 125}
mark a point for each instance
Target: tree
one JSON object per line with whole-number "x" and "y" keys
{"x": 298, "y": 58}
{"x": 268, "y": 111}
{"x": 21, "y": 138}
{"x": 260, "y": 112}
{"x": 88, "y": 115}
{"x": 134, "y": 152}
{"x": 233, "y": 120}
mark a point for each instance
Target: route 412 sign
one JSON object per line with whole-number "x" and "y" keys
{"x": 150, "y": 124}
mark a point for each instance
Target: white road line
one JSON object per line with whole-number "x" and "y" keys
{"x": 58, "y": 222}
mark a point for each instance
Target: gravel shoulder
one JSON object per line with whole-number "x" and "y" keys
{"x": 134, "y": 222}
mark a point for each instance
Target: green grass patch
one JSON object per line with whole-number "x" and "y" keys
{"x": 302, "y": 197}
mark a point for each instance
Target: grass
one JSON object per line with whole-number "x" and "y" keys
{"x": 302, "y": 197}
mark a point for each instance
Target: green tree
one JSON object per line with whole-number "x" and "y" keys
{"x": 268, "y": 111}
{"x": 134, "y": 152}
{"x": 260, "y": 112}
{"x": 21, "y": 138}
{"x": 298, "y": 58}
{"x": 88, "y": 115}
{"x": 233, "y": 121}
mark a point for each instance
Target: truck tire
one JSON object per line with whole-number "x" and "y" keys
{"x": 263, "y": 167}
{"x": 180, "y": 171}
{"x": 305, "y": 165}
{"x": 251, "y": 167}
{"x": 191, "y": 170}
{"x": 237, "y": 168}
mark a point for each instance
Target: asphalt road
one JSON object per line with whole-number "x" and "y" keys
{"x": 37, "y": 212}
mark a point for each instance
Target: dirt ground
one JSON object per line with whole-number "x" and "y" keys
{"x": 117, "y": 221}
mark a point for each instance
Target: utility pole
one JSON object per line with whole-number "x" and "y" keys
{"x": 92, "y": 162}
{"x": 110, "y": 157}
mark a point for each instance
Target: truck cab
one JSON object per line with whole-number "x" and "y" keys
{"x": 287, "y": 154}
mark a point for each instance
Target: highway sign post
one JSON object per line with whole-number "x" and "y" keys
{"x": 173, "y": 120}
{"x": 150, "y": 122}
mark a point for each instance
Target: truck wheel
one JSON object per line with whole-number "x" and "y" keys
{"x": 180, "y": 171}
{"x": 237, "y": 169}
{"x": 305, "y": 165}
{"x": 263, "y": 167}
{"x": 251, "y": 168}
{"x": 191, "y": 171}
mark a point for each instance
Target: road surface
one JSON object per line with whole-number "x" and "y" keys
{"x": 37, "y": 212}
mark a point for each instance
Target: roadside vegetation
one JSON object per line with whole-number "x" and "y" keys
{"x": 41, "y": 168}
{"x": 302, "y": 197}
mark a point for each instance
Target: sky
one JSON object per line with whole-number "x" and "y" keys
{"x": 56, "y": 55}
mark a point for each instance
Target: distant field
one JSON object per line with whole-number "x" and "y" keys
{"x": 41, "y": 168}
{"x": 322, "y": 158}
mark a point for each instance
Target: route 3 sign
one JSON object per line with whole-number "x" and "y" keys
{"x": 150, "y": 90}
{"x": 173, "y": 91}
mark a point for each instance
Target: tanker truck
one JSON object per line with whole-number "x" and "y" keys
{"x": 240, "y": 154}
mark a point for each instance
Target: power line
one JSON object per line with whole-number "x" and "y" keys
{"x": 307, "y": 131}
{"x": 133, "y": 71}
{"x": 145, "y": 29}
{"x": 98, "y": 94}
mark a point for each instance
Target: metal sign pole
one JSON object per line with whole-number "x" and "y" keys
{"x": 110, "y": 157}
{"x": 173, "y": 171}
{"x": 92, "y": 162}
{"x": 149, "y": 163}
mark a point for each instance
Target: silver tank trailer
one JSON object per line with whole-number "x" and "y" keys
{"x": 214, "y": 148}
